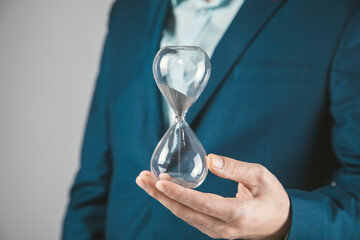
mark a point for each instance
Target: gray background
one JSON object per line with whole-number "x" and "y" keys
{"x": 49, "y": 55}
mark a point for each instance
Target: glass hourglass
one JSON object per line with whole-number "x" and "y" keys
{"x": 181, "y": 73}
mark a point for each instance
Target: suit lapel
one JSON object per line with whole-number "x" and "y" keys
{"x": 248, "y": 22}
{"x": 153, "y": 20}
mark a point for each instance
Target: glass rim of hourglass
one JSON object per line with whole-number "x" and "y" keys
{"x": 182, "y": 47}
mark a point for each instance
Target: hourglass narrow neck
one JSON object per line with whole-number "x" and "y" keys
{"x": 180, "y": 117}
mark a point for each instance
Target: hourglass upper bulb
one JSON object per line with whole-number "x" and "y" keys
{"x": 181, "y": 73}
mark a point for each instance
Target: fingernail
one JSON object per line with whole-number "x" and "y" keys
{"x": 143, "y": 173}
{"x": 141, "y": 183}
{"x": 217, "y": 162}
{"x": 162, "y": 188}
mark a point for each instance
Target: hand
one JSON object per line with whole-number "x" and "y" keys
{"x": 260, "y": 209}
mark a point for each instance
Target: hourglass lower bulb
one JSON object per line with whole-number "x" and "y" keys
{"x": 181, "y": 73}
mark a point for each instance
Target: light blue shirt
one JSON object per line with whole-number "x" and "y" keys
{"x": 198, "y": 23}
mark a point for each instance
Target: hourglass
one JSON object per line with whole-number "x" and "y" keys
{"x": 181, "y": 73}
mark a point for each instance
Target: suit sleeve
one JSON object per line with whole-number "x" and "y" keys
{"x": 333, "y": 212}
{"x": 86, "y": 212}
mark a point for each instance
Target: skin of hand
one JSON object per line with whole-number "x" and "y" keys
{"x": 260, "y": 209}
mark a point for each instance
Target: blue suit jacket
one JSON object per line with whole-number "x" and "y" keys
{"x": 284, "y": 92}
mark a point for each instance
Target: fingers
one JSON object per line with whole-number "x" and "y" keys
{"x": 165, "y": 176}
{"x": 199, "y": 220}
{"x": 207, "y": 203}
{"x": 247, "y": 173}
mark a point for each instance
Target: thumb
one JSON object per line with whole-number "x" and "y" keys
{"x": 241, "y": 172}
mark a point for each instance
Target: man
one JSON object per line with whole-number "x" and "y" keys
{"x": 283, "y": 97}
